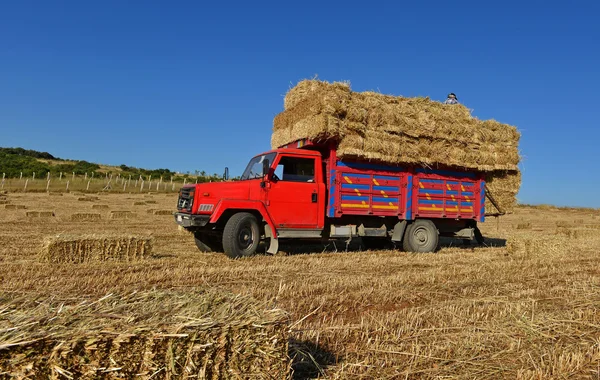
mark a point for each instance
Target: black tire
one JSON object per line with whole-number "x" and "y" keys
{"x": 421, "y": 236}
{"x": 208, "y": 243}
{"x": 375, "y": 242}
{"x": 241, "y": 235}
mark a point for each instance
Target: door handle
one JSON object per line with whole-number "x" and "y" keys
{"x": 314, "y": 197}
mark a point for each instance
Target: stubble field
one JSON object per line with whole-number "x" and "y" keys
{"x": 528, "y": 307}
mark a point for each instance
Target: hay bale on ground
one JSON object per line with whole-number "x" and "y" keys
{"x": 163, "y": 212}
{"x": 397, "y": 130}
{"x": 55, "y": 194}
{"x": 87, "y": 199}
{"x": 39, "y": 214}
{"x": 206, "y": 334}
{"x": 150, "y": 202}
{"x": 99, "y": 207}
{"x": 122, "y": 214}
{"x": 150, "y": 210}
{"x": 87, "y": 248}
{"x": 85, "y": 217}
{"x": 138, "y": 203}
{"x": 4, "y": 201}
{"x": 14, "y": 207}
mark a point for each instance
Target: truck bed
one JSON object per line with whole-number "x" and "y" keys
{"x": 357, "y": 188}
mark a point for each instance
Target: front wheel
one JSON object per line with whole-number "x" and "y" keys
{"x": 241, "y": 235}
{"x": 421, "y": 236}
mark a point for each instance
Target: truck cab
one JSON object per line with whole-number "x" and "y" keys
{"x": 280, "y": 194}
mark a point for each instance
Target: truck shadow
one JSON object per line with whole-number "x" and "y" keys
{"x": 356, "y": 245}
{"x": 309, "y": 360}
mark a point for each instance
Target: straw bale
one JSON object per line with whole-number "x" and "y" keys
{"x": 55, "y": 194}
{"x": 84, "y": 217}
{"x": 39, "y": 214}
{"x": 4, "y": 201}
{"x": 163, "y": 212}
{"x": 204, "y": 334}
{"x": 150, "y": 210}
{"x": 397, "y": 130}
{"x": 118, "y": 214}
{"x": 139, "y": 203}
{"x": 87, "y": 248}
{"x": 99, "y": 207}
{"x": 14, "y": 207}
{"x": 150, "y": 202}
{"x": 87, "y": 199}
{"x": 528, "y": 246}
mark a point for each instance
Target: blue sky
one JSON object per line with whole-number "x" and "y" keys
{"x": 195, "y": 85}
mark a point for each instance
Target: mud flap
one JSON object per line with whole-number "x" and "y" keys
{"x": 399, "y": 231}
{"x": 274, "y": 245}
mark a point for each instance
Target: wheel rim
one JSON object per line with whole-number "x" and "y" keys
{"x": 245, "y": 237}
{"x": 421, "y": 236}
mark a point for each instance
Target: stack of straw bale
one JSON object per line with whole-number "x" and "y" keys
{"x": 205, "y": 334}
{"x": 94, "y": 248}
{"x": 397, "y": 130}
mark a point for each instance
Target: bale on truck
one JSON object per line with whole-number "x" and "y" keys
{"x": 346, "y": 164}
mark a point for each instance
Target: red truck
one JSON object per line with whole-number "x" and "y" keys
{"x": 304, "y": 191}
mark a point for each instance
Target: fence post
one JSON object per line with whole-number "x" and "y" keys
{"x": 136, "y": 181}
{"x": 60, "y": 178}
{"x": 73, "y": 176}
{"x": 173, "y": 189}
{"x": 67, "y": 186}
{"x": 93, "y": 175}
{"x": 48, "y": 179}
{"x": 21, "y": 177}
{"x": 26, "y": 181}
{"x": 157, "y": 184}
{"x": 88, "y": 186}
{"x": 48, "y": 185}
{"x": 142, "y": 186}
{"x": 184, "y": 181}
{"x": 85, "y": 178}
{"x": 124, "y": 184}
{"x": 33, "y": 176}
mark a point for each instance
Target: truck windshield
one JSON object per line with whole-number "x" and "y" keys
{"x": 254, "y": 168}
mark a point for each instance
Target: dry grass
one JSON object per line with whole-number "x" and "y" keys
{"x": 527, "y": 309}
{"x": 88, "y": 248}
{"x": 85, "y": 217}
{"x": 204, "y": 334}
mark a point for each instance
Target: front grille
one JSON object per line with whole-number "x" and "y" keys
{"x": 186, "y": 199}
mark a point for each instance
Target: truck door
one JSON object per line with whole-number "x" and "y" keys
{"x": 293, "y": 194}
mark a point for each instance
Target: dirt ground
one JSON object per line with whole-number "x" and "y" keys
{"x": 527, "y": 306}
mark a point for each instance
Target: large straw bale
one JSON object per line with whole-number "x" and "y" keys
{"x": 397, "y": 130}
{"x": 86, "y": 248}
{"x": 503, "y": 186}
{"x": 206, "y": 334}
{"x": 4, "y": 201}
{"x": 100, "y": 207}
{"x": 85, "y": 217}
{"x": 139, "y": 203}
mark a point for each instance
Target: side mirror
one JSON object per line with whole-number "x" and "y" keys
{"x": 226, "y": 174}
{"x": 266, "y": 167}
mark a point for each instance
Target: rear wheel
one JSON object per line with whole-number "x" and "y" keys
{"x": 208, "y": 243}
{"x": 241, "y": 235}
{"x": 421, "y": 236}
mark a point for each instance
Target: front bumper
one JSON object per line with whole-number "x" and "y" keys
{"x": 190, "y": 220}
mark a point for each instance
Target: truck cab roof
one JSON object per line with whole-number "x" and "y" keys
{"x": 303, "y": 152}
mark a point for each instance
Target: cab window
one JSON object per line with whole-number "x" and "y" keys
{"x": 294, "y": 169}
